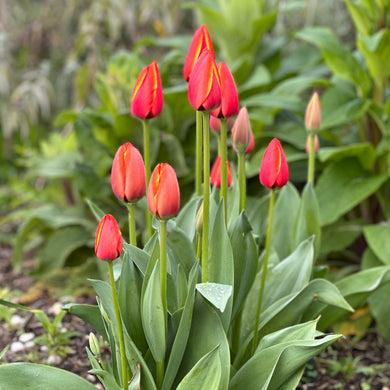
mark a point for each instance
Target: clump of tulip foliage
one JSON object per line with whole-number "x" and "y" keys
{"x": 204, "y": 303}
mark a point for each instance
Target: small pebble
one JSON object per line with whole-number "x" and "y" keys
{"x": 53, "y": 359}
{"x": 17, "y": 320}
{"x": 99, "y": 386}
{"x": 25, "y": 337}
{"x": 55, "y": 309}
{"x": 29, "y": 344}
{"x": 91, "y": 378}
{"x": 44, "y": 348}
{"x": 17, "y": 346}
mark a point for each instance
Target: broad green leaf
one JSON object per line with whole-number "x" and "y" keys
{"x": 153, "y": 318}
{"x": 356, "y": 288}
{"x": 308, "y": 219}
{"x": 377, "y": 237}
{"x": 187, "y": 215}
{"x": 138, "y": 256}
{"x": 96, "y": 210}
{"x": 380, "y": 311}
{"x": 182, "y": 334}
{"x": 205, "y": 375}
{"x": 365, "y": 152}
{"x": 259, "y": 77}
{"x": 221, "y": 263}
{"x": 16, "y": 376}
{"x": 347, "y": 182}
{"x": 217, "y": 294}
{"x": 257, "y": 211}
{"x": 206, "y": 334}
{"x": 245, "y": 257}
{"x": 274, "y": 100}
{"x": 360, "y": 17}
{"x": 339, "y": 59}
{"x": 273, "y": 367}
{"x": 285, "y": 214}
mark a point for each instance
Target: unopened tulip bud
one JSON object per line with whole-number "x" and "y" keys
{"x": 163, "y": 192}
{"x": 147, "y": 99}
{"x": 274, "y": 168}
{"x": 94, "y": 345}
{"x": 316, "y": 144}
{"x": 215, "y": 174}
{"x": 199, "y": 220}
{"x": 242, "y": 132}
{"x": 313, "y": 113}
{"x": 108, "y": 241}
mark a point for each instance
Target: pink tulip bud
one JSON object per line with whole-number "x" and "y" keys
{"x": 313, "y": 113}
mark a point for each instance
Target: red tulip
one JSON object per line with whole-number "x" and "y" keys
{"x": 128, "y": 179}
{"x": 204, "y": 92}
{"x": 242, "y": 135}
{"x": 163, "y": 192}
{"x": 200, "y": 41}
{"x": 313, "y": 113}
{"x": 229, "y": 97}
{"x": 147, "y": 99}
{"x": 108, "y": 241}
{"x": 215, "y": 174}
{"x": 274, "y": 168}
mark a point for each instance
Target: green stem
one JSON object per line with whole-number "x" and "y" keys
{"x": 206, "y": 195}
{"x": 132, "y": 230}
{"x": 265, "y": 265}
{"x": 242, "y": 180}
{"x": 198, "y": 246}
{"x": 120, "y": 329}
{"x": 312, "y": 154}
{"x": 145, "y": 125}
{"x": 160, "y": 374}
{"x": 198, "y": 157}
{"x": 223, "y": 151}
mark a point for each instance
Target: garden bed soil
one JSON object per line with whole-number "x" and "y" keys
{"x": 363, "y": 364}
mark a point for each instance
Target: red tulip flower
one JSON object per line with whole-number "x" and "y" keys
{"x": 274, "y": 168}
{"x": 147, "y": 99}
{"x": 108, "y": 241}
{"x": 242, "y": 135}
{"x": 128, "y": 179}
{"x": 215, "y": 174}
{"x": 163, "y": 192}
{"x": 229, "y": 97}
{"x": 200, "y": 41}
{"x": 204, "y": 87}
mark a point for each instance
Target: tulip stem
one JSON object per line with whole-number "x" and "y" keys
{"x": 145, "y": 126}
{"x": 198, "y": 157}
{"x": 224, "y": 178}
{"x": 312, "y": 153}
{"x": 206, "y": 195}
{"x": 132, "y": 230}
{"x": 265, "y": 265}
{"x": 120, "y": 328}
{"x": 242, "y": 180}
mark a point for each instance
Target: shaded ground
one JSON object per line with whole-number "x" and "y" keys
{"x": 364, "y": 364}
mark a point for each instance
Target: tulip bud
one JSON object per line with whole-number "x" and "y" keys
{"x": 313, "y": 113}
{"x": 215, "y": 123}
{"x": 94, "y": 345}
{"x": 147, "y": 99}
{"x": 163, "y": 192}
{"x": 199, "y": 220}
{"x": 201, "y": 40}
{"x": 316, "y": 144}
{"x": 274, "y": 168}
{"x": 215, "y": 174}
{"x": 108, "y": 241}
{"x": 242, "y": 132}
{"x": 128, "y": 180}
{"x": 229, "y": 97}
{"x": 204, "y": 92}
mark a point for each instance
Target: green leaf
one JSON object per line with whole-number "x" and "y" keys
{"x": 205, "y": 375}
{"x": 359, "y": 16}
{"x": 217, "y": 294}
{"x": 153, "y": 319}
{"x": 97, "y": 211}
{"x": 381, "y": 312}
{"x": 18, "y": 376}
{"x": 308, "y": 218}
{"x": 377, "y": 237}
{"x": 135, "y": 383}
{"x": 347, "y": 182}
{"x": 105, "y": 377}
{"x": 187, "y": 215}
{"x": 339, "y": 59}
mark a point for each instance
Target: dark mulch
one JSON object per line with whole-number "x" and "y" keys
{"x": 353, "y": 365}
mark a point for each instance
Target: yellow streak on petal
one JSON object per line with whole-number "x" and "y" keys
{"x": 139, "y": 83}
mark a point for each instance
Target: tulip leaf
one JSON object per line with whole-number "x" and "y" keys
{"x": 377, "y": 237}
{"x": 16, "y": 376}
{"x": 205, "y": 375}
{"x": 206, "y": 334}
{"x": 138, "y": 256}
{"x": 135, "y": 383}
{"x": 332, "y": 184}
{"x": 285, "y": 214}
{"x": 308, "y": 218}
{"x": 217, "y": 294}
{"x": 245, "y": 256}
{"x": 96, "y": 210}
{"x": 182, "y": 334}
{"x": 187, "y": 216}
{"x": 105, "y": 377}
